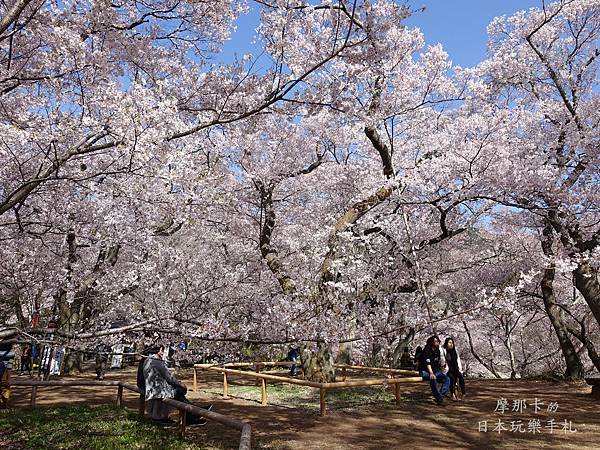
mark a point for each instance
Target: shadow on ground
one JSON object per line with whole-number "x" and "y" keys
{"x": 291, "y": 420}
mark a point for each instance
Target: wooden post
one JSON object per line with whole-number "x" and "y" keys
{"x": 322, "y": 401}
{"x": 258, "y": 366}
{"x": 195, "y": 380}
{"x": 225, "y": 385}
{"x": 264, "y": 392}
{"x": 142, "y": 405}
{"x": 120, "y": 396}
{"x": 343, "y": 374}
{"x": 397, "y": 389}
{"x": 182, "y": 422}
{"x": 33, "y": 396}
{"x": 246, "y": 438}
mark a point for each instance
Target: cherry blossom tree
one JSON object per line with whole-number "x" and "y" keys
{"x": 346, "y": 186}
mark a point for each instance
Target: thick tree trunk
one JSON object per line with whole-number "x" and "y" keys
{"x": 318, "y": 365}
{"x": 582, "y": 336}
{"x": 73, "y": 363}
{"x": 403, "y": 343}
{"x": 574, "y": 369}
{"x": 586, "y": 282}
{"x": 377, "y": 356}
{"x": 344, "y": 355}
{"x": 593, "y": 354}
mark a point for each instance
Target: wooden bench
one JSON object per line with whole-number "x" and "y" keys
{"x": 595, "y": 383}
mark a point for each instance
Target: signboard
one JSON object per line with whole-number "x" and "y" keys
{"x": 59, "y": 356}
{"x": 117, "y": 357}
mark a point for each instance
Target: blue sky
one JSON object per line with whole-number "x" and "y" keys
{"x": 460, "y": 25}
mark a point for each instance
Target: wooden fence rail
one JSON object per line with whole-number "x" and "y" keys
{"x": 226, "y": 369}
{"x": 246, "y": 431}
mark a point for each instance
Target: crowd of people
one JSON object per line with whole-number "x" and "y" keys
{"x": 439, "y": 364}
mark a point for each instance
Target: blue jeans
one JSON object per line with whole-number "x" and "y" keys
{"x": 440, "y": 377}
{"x": 294, "y": 370}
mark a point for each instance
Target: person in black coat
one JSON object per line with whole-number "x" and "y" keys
{"x": 431, "y": 370}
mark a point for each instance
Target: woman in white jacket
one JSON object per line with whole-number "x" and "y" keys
{"x": 453, "y": 367}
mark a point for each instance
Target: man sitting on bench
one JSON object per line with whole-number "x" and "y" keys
{"x": 430, "y": 368}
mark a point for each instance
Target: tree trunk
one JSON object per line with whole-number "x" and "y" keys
{"x": 318, "y": 365}
{"x": 489, "y": 367}
{"x": 586, "y": 282}
{"x": 582, "y": 336}
{"x": 377, "y": 356}
{"x": 574, "y": 368}
{"x": 593, "y": 354}
{"x": 511, "y": 354}
{"x": 344, "y": 355}
{"x": 73, "y": 363}
{"x": 403, "y": 343}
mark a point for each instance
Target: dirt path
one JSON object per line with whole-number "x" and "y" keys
{"x": 416, "y": 423}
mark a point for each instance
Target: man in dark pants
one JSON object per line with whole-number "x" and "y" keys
{"x": 431, "y": 370}
{"x": 293, "y": 356}
{"x": 102, "y": 351}
{"x": 26, "y": 360}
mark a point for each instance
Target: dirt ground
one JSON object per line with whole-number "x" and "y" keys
{"x": 379, "y": 424}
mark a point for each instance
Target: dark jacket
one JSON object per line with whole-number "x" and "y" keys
{"x": 6, "y": 356}
{"x": 430, "y": 357}
{"x": 140, "y": 380}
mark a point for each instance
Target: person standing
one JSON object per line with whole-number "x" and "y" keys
{"x": 26, "y": 359}
{"x": 4, "y": 390}
{"x": 293, "y": 356}
{"x": 102, "y": 352}
{"x": 431, "y": 371}
{"x": 455, "y": 370}
{"x": 6, "y": 356}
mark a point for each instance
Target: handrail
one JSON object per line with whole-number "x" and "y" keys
{"x": 244, "y": 364}
{"x": 65, "y": 383}
{"x": 321, "y": 386}
{"x": 378, "y": 369}
{"x": 289, "y": 363}
{"x": 266, "y": 376}
{"x": 233, "y": 423}
{"x": 330, "y": 385}
{"x": 246, "y": 430}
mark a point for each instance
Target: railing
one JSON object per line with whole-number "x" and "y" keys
{"x": 244, "y": 428}
{"x": 345, "y": 367}
{"x": 323, "y": 387}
